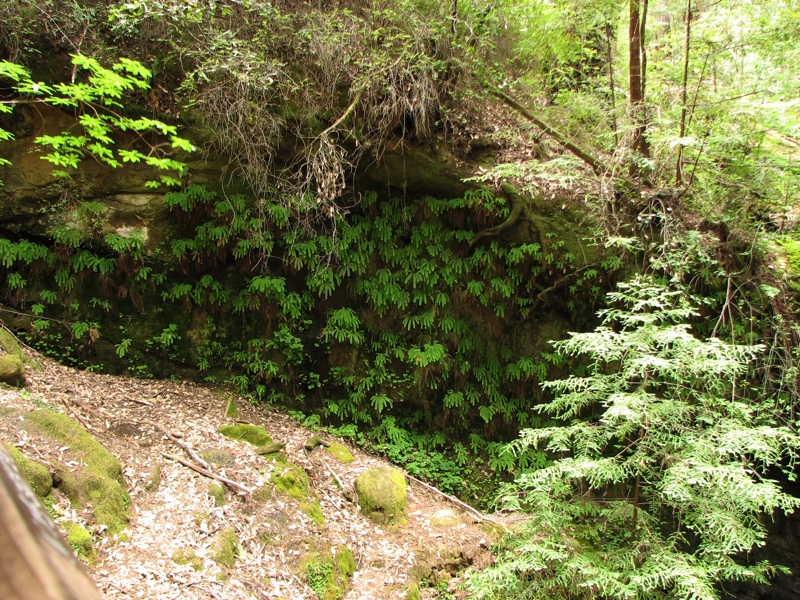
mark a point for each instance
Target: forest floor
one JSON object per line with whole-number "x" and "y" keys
{"x": 173, "y": 514}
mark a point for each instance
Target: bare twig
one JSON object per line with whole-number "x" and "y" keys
{"x": 192, "y": 454}
{"x": 236, "y": 487}
{"x": 473, "y": 511}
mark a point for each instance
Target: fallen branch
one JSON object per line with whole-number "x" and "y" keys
{"x": 473, "y": 511}
{"x": 236, "y": 487}
{"x": 346, "y": 492}
{"x": 186, "y": 448}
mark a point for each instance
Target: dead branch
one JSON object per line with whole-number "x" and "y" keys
{"x": 192, "y": 454}
{"x": 236, "y": 487}
{"x": 473, "y": 511}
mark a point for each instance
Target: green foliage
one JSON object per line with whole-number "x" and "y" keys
{"x": 98, "y": 99}
{"x": 660, "y": 478}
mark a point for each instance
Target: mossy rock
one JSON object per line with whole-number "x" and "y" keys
{"x": 382, "y": 495}
{"x": 12, "y": 370}
{"x": 341, "y": 452}
{"x": 263, "y": 493}
{"x": 345, "y": 561}
{"x": 218, "y": 457}
{"x": 314, "y": 511}
{"x": 10, "y": 344}
{"x": 80, "y": 541}
{"x": 444, "y": 518}
{"x": 217, "y": 492}
{"x": 245, "y": 432}
{"x": 98, "y": 481}
{"x": 226, "y": 548}
{"x": 291, "y": 480}
{"x": 328, "y": 573}
{"x": 186, "y": 556}
{"x": 36, "y": 474}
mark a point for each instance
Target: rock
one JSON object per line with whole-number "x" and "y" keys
{"x": 382, "y": 495}
{"x": 12, "y": 370}
{"x": 341, "y": 453}
{"x": 444, "y": 518}
{"x": 187, "y": 556}
{"x": 245, "y": 432}
{"x": 217, "y": 492}
{"x": 96, "y": 479}
{"x": 80, "y": 541}
{"x": 226, "y": 548}
{"x": 218, "y": 457}
{"x": 10, "y": 344}
{"x": 36, "y": 474}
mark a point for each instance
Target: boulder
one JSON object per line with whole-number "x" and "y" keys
{"x": 12, "y": 370}
{"x": 382, "y": 495}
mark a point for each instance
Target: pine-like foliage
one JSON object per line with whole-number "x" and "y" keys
{"x": 658, "y": 488}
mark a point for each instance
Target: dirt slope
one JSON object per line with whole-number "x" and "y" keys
{"x": 174, "y": 518}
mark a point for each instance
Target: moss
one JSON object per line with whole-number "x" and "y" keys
{"x": 154, "y": 479}
{"x": 36, "y": 474}
{"x": 313, "y": 442}
{"x": 217, "y": 492}
{"x": 269, "y": 449}
{"x": 98, "y": 481}
{"x": 263, "y": 493}
{"x": 231, "y": 410}
{"x": 199, "y": 517}
{"x": 314, "y": 511}
{"x": 382, "y": 495}
{"x": 341, "y": 453}
{"x": 218, "y": 457}
{"x": 80, "y": 541}
{"x": 12, "y": 370}
{"x": 186, "y": 556}
{"x": 345, "y": 561}
{"x": 329, "y": 574}
{"x": 413, "y": 592}
{"x": 290, "y": 480}
{"x": 245, "y": 432}
{"x": 10, "y": 344}
{"x": 226, "y": 548}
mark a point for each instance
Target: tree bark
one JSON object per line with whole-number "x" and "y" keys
{"x": 684, "y": 94}
{"x": 637, "y": 75}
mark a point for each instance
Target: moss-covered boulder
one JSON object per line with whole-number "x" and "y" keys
{"x": 245, "y": 432}
{"x": 36, "y": 474}
{"x": 221, "y": 458}
{"x": 98, "y": 478}
{"x": 12, "y": 370}
{"x": 382, "y": 495}
{"x": 340, "y": 452}
{"x": 10, "y": 345}
{"x": 80, "y": 541}
{"x": 217, "y": 492}
{"x": 291, "y": 480}
{"x": 187, "y": 556}
{"x": 226, "y": 548}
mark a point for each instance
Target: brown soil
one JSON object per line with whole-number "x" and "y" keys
{"x": 171, "y": 509}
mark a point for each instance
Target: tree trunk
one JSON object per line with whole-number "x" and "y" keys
{"x": 684, "y": 93}
{"x": 637, "y": 70}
